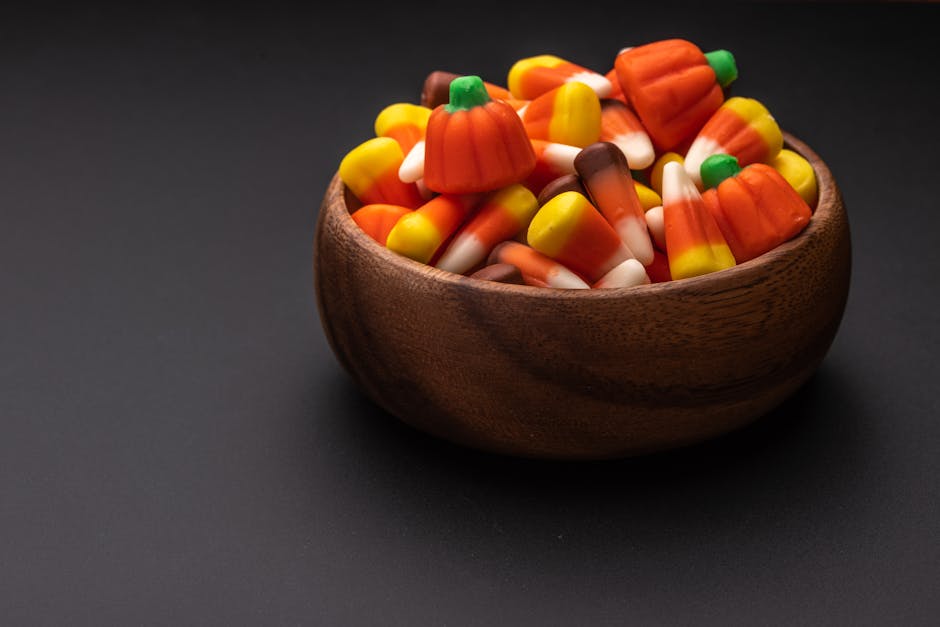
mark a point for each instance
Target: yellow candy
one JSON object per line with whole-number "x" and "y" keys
{"x": 648, "y": 198}
{"x": 799, "y": 173}
{"x": 519, "y": 70}
{"x": 401, "y": 113}
{"x": 414, "y": 236}
{"x": 656, "y": 176}
{"x": 570, "y": 114}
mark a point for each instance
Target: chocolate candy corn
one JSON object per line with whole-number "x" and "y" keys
{"x": 673, "y": 87}
{"x": 621, "y": 127}
{"x": 571, "y": 231}
{"x": 405, "y": 123}
{"x": 799, "y": 173}
{"x": 570, "y": 114}
{"x": 378, "y": 220}
{"x": 537, "y": 269}
{"x": 566, "y": 183}
{"x": 500, "y": 273}
{"x": 370, "y": 171}
{"x": 694, "y": 243}
{"x": 419, "y": 234}
{"x": 475, "y": 144}
{"x": 436, "y": 90}
{"x": 530, "y": 78}
{"x": 626, "y": 274}
{"x": 604, "y": 172}
{"x": 741, "y": 127}
{"x": 755, "y": 208}
{"x": 504, "y": 214}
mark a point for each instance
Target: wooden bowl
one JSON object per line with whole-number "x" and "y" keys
{"x": 582, "y": 374}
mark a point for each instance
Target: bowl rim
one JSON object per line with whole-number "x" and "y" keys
{"x": 776, "y": 259}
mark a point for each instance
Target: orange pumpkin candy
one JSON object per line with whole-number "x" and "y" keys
{"x": 475, "y": 144}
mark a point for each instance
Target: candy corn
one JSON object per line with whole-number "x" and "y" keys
{"x": 566, "y": 183}
{"x": 436, "y": 90}
{"x": 571, "y": 231}
{"x": 604, "y": 172}
{"x": 626, "y": 274}
{"x": 499, "y": 273}
{"x": 537, "y": 269}
{"x": 504, "y": 214}
{"x": 694, "y": 243}
{"x": 755, "y": 208}
{"x": 551, "y": 161}
{"x": 648, "y": 198}
{"x": 621, "y": 127}
{"x": 370, "y": 171}
{"x": 673, "y": 87}
{"x": 741, "y": 127}
{"x": 657, "y": 227}
{"x": 405, "y": 123}
{"x": 530, "y": 78}
{"x": 799, "y": 173}
{"x": 656, "y": 174}
{"x": 569, "y": 114}
{"x": 419, "y": 234}
{"x": 378, "y": 220}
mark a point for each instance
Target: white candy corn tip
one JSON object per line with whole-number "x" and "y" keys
{"x": 637, "y": 148}
{"x": 521, "y": 111}
{"x": 595, "y": 81}
{"x": 700, "y": 150}
{"x": 677, "y": 185}
{"x": 634, "y": 234}
{"x": 627, "y": 274}
{"x": 564, "y": 278}
{"x": 561, "y": 157}
{"x": 622, "y": 50}
{"x": 656, "y": 223}
{"x": 412, "y": 166}
{"x": 463, "y": 253}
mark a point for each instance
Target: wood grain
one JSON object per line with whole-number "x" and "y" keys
{"x": 583, "y": 374}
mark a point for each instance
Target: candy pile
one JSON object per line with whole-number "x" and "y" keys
{"x": 574, "y": 179}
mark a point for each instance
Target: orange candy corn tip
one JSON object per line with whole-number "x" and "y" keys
{"x": 501, "y": 217}
{"x": 531, "y": 77}
{"x": 537, "y": 269}
{"x": 694, "y": 243}
{"x": 378, "y": 219}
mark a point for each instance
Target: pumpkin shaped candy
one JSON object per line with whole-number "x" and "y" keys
{"x": 755, "y": 207}
{"x": 474, "y": 143}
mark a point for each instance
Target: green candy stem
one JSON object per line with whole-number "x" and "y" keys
{"x": 466, "y": 92}
{"x": 717, "y": 168}
{"x": 722, "y": 61}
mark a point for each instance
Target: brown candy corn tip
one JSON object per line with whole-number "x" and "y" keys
{"x": 566, "y": 183}
{"x": 599, "y": 156}
{"x": 436, "y": 90}
{"x": 500, "y": 273}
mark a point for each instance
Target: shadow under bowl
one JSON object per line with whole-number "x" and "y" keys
{"x": 582, "y": 374}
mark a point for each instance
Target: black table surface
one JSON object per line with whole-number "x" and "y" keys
{"x": 178, "y": 445}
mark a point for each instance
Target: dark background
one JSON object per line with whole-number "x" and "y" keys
{"x": 179, "y": 446}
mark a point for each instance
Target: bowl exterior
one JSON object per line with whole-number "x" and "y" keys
{"x": 582, "y": 374}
